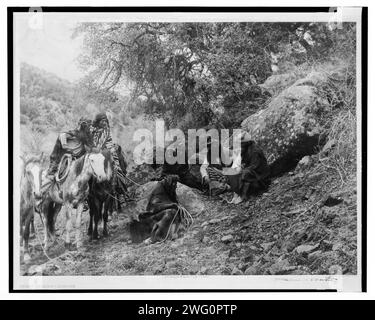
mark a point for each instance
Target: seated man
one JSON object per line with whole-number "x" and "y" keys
{"x": 160, "y": 219}
{"x": 183, "y": 171}
{"x": 211, "y": 169}
{"x": 75, "y": 142}
{"x": 251, "y": 171}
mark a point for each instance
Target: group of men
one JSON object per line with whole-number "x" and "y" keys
{"x": 245, "y": 173}
{"x": 248, "y": 174}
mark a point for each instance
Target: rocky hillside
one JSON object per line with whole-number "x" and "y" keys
{"x": 304, "y": 224}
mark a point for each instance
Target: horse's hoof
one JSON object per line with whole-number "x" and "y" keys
{"x": 147, "y": 241}
{"x": 95, "y": 236}
{"x": 26, "y": 258}
{"x": 79, "y": 245}
{"x": 90, "y": 230}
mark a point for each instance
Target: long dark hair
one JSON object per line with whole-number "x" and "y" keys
{"x": 84, "y": 134}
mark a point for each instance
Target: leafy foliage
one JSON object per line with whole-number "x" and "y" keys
{"x": 195, "y": 74}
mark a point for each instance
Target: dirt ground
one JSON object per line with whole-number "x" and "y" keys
{"x": 306, "y": 223}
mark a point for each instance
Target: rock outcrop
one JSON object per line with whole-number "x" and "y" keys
{"x": 292, "y": 124}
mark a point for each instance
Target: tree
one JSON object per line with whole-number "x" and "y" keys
{"x": 180, "y": 69}
{"x": 206, "y": 72}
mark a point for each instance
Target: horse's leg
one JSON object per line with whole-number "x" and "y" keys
{"x": 105, "y": 218}
{"x": 26, "y": 235}
{"x": 90, "y": 229}
{"x": 21, "y": 233}
{"x": 109, "y": 204}
{"x": 45, "y": 241}
{"x": 97, "y": 216}
{"x": 47, "y": 208}
{"x": 91, "y": 211}
{"x": 68, "y": 225}
{"x": 32, "y": 229}
{"x": 79, "y": 211}
{"x": 32, "y": 225}
{"x": 56, "y": 210}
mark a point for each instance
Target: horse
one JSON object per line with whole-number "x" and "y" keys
{"x": 31, "y": 175}
{"x": 72, "y": 193}
{"x": 101, "y": 200}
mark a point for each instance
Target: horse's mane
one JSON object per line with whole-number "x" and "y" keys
{"x": 107, "y": 156}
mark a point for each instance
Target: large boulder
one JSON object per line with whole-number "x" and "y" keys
{"x": 142, "y": 194}
{"x": 292, "y": 124}
{"x": 190, "y": 199}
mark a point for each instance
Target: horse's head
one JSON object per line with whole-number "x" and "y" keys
{"x": 101, "y": 165}
{"x": 32, "y": 168}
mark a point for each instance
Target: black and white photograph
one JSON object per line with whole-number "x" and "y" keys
{"x": 187, "y": 150}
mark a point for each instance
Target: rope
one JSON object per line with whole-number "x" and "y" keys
{"x": 108, "y": 194}
{"x": 170, "y": 226}
{"x": 41, "y": 244}
{"x": 37, "y": 236}
{"x": 186, "y": 218}
{"x": 65, "y": 156}
{"x": 137, "y": 184}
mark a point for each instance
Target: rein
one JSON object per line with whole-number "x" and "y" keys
{"x": 136, "y": 183}
{"x": 109, "y": 194}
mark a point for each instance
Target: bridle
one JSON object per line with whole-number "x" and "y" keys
{"x": 92, "y": 168}
{"x": 26, "y": 173}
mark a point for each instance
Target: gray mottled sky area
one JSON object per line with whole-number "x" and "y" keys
{"x": 45, "y": 41}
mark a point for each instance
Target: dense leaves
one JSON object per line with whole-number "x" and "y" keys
{"x": 187, "y": 72}
{"x": 195, "y": 74}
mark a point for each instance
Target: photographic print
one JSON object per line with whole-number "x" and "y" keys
{"x": 186, "y": 150}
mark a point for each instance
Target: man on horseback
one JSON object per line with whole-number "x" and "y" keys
{"x": 102, "y": 139}
{"x": 74, "y": 142}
